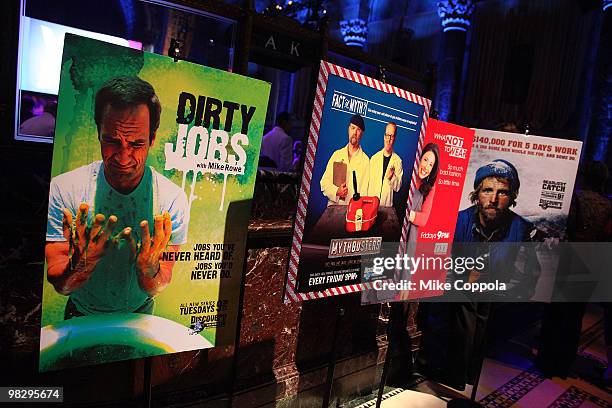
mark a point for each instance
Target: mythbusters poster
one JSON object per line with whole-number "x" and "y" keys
{"x": 154, "y": 163}
{"x": 353, "y": 197}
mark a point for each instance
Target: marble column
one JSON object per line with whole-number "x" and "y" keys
{"x": 455, "y": 18}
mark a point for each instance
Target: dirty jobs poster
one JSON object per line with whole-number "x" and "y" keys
{"x": 154, "y": 163}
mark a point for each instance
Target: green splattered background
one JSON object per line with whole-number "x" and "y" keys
{"x": 86, "y": 65}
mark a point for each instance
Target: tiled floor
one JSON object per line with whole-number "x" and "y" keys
{"x": 509, "y": 379}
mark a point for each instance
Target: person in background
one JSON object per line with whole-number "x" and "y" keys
{"x": 26, "y": 109}
{"x": 43, "y": 124}
{"x": 277, "y": 144}
{"x": 298, "y": 150}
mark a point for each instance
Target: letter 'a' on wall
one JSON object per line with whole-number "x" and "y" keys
{"x": 354, "y": 193}
{"x": 154, "y": 164}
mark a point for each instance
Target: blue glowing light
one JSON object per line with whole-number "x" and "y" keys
{"x": 454, "y": 28}
{"x": 455, "y": 13}
{"x": 354, "y": 32}
{"x": 129, "y": 14}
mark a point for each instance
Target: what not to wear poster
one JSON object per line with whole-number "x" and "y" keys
{"x": 439, "y": 173}
{"x": 541, "y": 172}
{"x": 356, "y": 183}
{"x": 148, "y": 212}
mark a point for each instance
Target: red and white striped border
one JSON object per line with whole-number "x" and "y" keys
{"x": 325, "y": 70}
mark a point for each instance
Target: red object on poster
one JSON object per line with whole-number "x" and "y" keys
{"x": 361, "y": 213}
{"x": 437, "y": 228}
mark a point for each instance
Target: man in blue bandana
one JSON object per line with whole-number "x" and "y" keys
{"x": 489, "y": 219}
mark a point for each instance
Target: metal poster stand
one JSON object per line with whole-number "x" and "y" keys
{"x": 146, "y": 386}
{"x": 387, "y": 365}
{"x": 234, "y": 369}
{"x": 390, "y": 323}
{"x": 381, "y": 76}
{"x": 174, "y": 51}
{"x": 329, "y": 383}
{"x": 472, "y": 403}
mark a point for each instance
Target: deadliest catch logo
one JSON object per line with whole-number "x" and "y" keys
{"x": 200, "y": 151}
{"x": 552, "y": 195}
{"x": 453, "y": 145}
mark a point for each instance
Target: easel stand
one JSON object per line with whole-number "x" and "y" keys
{"x": 234, "y": 371}
{"x": 390, "y": 351}
{"x": 468, "y": 403}
{"x": 174, "y": 51}
{"x": 146, "y": 386}
{"x": 381, "y": 75}
{"x": 334, "y": 356}
{"x": 472, "y": 403}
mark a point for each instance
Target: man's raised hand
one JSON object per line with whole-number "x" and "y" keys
{"x": 86, "y": 242}
{"x": 147, "y": 259}
{"x": 71, "y": 263}
{"x": 390, "y": 172}
{"x": 342, "y": 191}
